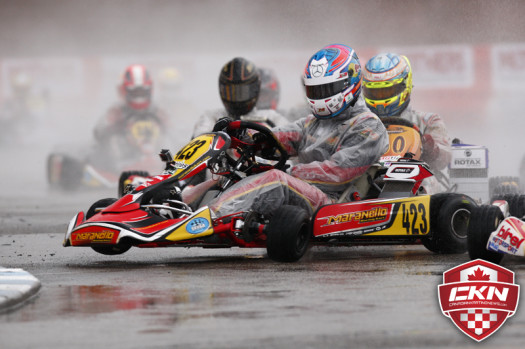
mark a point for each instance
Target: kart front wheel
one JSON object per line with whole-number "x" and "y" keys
{"x": 450, "y": 216}
{"x": 109, "y": 250}
{"x": 288, "y": 234}
{"x": 484, "y": 220}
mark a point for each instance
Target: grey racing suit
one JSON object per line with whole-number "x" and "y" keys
{"x": 330, "y": 154}
{"x": 436, "y": 146}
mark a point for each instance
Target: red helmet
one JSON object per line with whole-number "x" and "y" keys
{"x": 136, "y": 86}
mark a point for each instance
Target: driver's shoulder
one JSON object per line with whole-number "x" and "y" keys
{"x": 420, "y": 118}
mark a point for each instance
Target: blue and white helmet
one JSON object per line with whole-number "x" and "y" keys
{"x": 332, "y": 80}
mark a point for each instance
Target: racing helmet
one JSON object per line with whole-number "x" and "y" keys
{"x": 387, "y": 80}
{"x": 239, "y": 85}
{"x": 332, "y": 80}
{"x": 270, "y": 90}
{"x": 136, "y": 86}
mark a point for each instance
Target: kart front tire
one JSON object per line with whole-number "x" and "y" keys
{"x": 288, "y": 234}
{"x": 483, "y": 221}
{"x": 111, "y": 250}
{"x": 450, "y": 216}
{"x": 108, "y": 250}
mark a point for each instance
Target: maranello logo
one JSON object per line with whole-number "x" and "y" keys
{"x": 478, "y": 297}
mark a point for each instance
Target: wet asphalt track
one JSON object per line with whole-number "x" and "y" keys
{"x": 196, "y": 298}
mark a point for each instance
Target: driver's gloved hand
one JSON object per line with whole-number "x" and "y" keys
{"x": 221, "y": 124}
{"x": 263, "y": 142}
{"x": 260, "y": 138}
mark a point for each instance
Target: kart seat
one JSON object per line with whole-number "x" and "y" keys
{"x": 361, "y": 184}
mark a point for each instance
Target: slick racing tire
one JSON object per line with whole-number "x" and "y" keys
{"x": 516, "y": 204}
{"x": 483, "y": 221}
{"x": 109, "y": 250}
{"x": 450, "y": 215}
{"x": 288, "y": 234}
{"x": 124, "y": 176}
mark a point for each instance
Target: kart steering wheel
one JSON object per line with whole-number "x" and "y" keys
{"x": 262, "y": 144}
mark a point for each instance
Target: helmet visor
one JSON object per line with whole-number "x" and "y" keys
{"x": 326, "y": 90}
{"x": 237, "y": 92}
{"x": 137, "y": 93}
{"x": 383, "y": 92}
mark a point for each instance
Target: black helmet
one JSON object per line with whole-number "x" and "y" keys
{"x": 239, "y": 85}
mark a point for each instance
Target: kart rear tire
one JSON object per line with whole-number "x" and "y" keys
{"x": 516, "y": 204}
{"x": 449, "y": 221}
{"x": 124, "y": 176}
{"x": 109, "y": 250}
{"x": 288, "y": 234}
{"x": 483, "y": 221}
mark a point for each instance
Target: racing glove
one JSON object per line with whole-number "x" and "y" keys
{"x": 430, "y": 149}
{"x": 221, "y": 124}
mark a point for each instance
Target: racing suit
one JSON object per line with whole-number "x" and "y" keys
{"x": 121, "y": 134}
{"x": 436, "y": 146}
{"x": 330, "y": 154}
{"x": 113, "y": 123}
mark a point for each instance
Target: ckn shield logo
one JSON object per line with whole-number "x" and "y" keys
{"x": 478, "y": 297}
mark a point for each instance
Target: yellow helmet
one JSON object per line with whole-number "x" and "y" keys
{"x": 387, "y": 81}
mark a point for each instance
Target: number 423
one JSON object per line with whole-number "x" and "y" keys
{"x": 415, "y": 219}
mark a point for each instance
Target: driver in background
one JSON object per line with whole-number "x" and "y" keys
{"x": 387, "y": 86}
{"x": 241, "y": 86}
{"x": 135, "y": 91}
{"x": 240, "y": 89}
{"x": 334, "y": 145}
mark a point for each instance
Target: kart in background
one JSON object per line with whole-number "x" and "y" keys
{"x": 386, "y": 205}
{"x": 101, "y": 165}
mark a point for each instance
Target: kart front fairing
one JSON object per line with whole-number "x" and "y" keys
{"x": 127, "y": 220}
{"x": 140, "y": 219}
{"x": 135, "y": 219}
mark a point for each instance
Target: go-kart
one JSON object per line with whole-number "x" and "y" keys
{"x": 498, "y": 229}
{"x": 101, "y": 166}
{"x": 386, "y": 205}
